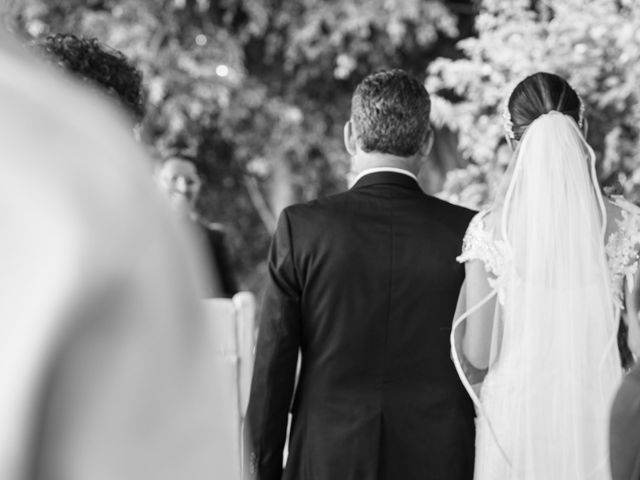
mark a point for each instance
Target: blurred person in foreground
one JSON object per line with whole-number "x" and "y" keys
{"x": 365, "y": 284}
{"x": 181, "y": 181}
{"x": 107, "y": 369}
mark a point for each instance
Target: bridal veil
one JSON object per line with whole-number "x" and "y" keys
{"x": 553, "y": 365}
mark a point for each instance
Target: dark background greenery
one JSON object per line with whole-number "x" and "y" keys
{"x": 270, "y": 132}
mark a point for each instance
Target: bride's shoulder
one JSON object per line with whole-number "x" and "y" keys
{"x": 479, "y": 241}
{"x": 623, "y": 234}
{"x": 486, "y": 220}
{"x": 622, "y": 215}
{"x": 482, "y": 228}
{"x": 619, "y": 203}
{"x": 622, "y": 244}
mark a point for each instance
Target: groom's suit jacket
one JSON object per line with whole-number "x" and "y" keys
{"x": 364, "y": 284}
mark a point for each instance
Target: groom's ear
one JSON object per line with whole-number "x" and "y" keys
{"x": 349, "y": 138}
{"x": 428, "y": 142}
{"x": 585, "y": 127}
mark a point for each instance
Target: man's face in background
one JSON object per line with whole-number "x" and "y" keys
{"x": 181, "y": 183}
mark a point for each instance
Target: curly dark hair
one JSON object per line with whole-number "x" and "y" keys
{"x": 100, "y": 65}
{"x": 390, "y": 112}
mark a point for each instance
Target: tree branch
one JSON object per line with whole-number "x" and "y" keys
{"x": 260, "y": 204}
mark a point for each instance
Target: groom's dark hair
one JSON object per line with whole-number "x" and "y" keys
{"x": 390, "y": 113}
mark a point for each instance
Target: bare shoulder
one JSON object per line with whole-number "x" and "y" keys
{"x": 613, "y": 207}
{"x": 620, "y": 203}
{"x": 491, "y": 218}
{"x": 619, "y": 210}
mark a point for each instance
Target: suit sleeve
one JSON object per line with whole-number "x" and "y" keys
{"x": 275, "y": 362}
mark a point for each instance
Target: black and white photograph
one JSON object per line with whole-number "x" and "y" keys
{"x": 319, "y": 240}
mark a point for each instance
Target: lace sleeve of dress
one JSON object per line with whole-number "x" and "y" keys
{"x": 480, "y": 244}
{"x": 623, "y": 246}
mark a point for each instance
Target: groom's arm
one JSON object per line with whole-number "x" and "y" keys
{"x": 275, "y": 363}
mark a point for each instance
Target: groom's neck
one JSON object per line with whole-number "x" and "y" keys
{"x": 365, "y": 160}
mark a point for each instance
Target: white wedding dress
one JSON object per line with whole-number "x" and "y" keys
{"x": 556, "y": 284}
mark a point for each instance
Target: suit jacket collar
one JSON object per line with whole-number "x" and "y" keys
{"x": 387, "y": 178}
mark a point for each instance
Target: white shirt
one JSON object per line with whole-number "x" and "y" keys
{"x": 383, "y": 169}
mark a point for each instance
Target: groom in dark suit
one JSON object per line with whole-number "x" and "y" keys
{"x": 364, "y": 285}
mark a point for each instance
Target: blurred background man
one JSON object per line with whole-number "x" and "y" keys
{"x": 110, "y": 72}
{"x": 182, "y": 182}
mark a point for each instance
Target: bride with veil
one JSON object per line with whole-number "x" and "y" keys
{"x": 534, "y": 339}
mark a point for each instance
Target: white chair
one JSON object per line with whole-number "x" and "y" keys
{"x": 232, "y": 323}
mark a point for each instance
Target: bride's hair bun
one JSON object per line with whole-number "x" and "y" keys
{"x": 537, "y": 95}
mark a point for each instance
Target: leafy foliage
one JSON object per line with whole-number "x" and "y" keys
{"x": 256, "y": 90}
{"x": 595, "y": 45}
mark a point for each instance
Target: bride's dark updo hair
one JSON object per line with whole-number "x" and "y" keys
{"x": 536, "y": 95}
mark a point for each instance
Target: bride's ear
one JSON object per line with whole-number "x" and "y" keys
{"x": 349, "y": 138}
